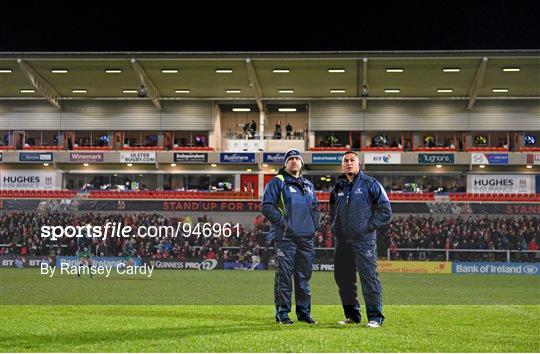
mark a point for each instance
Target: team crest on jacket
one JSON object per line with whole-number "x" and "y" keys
{"x": 291, "y": 188}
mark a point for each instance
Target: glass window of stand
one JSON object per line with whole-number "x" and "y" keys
{"x": 190, "y": 139}
{"x": 6, "y": 138}
{"x": 90, "y": 138}
{"x": 332, "y": 139}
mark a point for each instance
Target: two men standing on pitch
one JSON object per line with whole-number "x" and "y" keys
{"x": 290, "y": 204}
{"x": 358, "y": 207}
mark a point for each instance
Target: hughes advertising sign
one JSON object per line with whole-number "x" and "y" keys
{"x": 500, "y": 184}
{"x": 489, "y": 159}
{"x": 86, "y": 157}
{"x": 237, "y": 157}
{"x": 138, "y": 157}
{"x": 371, "y": 158}
{"x": 436, "y": 159}
{"x": 41, "y": 180}
{"x": 190, "y": 157}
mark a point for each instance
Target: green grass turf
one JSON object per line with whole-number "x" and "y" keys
{"x": 27, "y": 286}
{"x": 196, "y": 328}
{"x": 232, "y": 311}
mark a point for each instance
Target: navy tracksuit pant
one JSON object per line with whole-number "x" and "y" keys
{"x": 294, "y": 261}
{"x": 356, "y": 255}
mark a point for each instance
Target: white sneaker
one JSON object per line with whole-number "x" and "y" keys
{"x": 373, "y": 324}
{"x": 347, "y": 321}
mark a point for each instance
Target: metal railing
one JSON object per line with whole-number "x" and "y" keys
{"x": 448, "y": 251}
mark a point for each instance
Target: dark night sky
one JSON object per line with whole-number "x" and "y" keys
{"x": 150, "y": 26}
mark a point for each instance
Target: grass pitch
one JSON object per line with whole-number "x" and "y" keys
{"x": 232, "y": 311}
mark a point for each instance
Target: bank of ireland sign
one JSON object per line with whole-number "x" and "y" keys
{"x": 319, "y": 158}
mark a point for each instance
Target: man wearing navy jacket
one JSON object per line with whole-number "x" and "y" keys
{"x": 358, "y": 207}
{"x": 290, "y": 204}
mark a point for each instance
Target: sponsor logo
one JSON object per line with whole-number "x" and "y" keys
{"x": 237, "y": 157}
{"x": 73, "y": 261}
{"x": 494, "y": 268}
{"x": 500, "y": 184}
{"x": 489, "y": 159}
{"x": 495, "y": 159}
{"x": 138, "y": 157}
{"x": 414, "y": 267}
{"x": 35, "y": 156}
{"x": 322, "y": 267}
{"x": 494, "y": 182}
{"x": 530, "y": 269}
{"x": 326, "y": 158}
{"x": 208, "y": 264}
{"x": 28, "y": 180}
{"x": 479, "y": 158}
{"x": 24, "y": 261}
{"x": 436, "y": 158}
{"x": 382, "y": 158}
{"x": 21, "y": 179}
{"x": 90, "y": 157}
{"x": 190, "y": 157}
{"x": 277, "y": 158}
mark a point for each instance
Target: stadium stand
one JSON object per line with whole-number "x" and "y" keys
{"x": 19, "y": 234}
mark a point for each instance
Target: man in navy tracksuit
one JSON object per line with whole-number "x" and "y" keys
{"x": 358, "y": 207}
{"x": 290, "y": 204}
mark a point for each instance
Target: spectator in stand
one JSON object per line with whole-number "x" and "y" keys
{"x": 211, "y": 254}
{"x": 252, "y": 129}
{"x": 533, "y": 246}
{"x": 277, "y": 130}
{"x": 289, "y": 130}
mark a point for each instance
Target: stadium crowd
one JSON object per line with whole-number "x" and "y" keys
{"x": 472, "y": 233}
{"x": 20, "y": 235}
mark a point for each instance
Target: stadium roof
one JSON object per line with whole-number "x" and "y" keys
{"x": 272, "y": 76}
